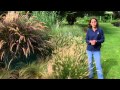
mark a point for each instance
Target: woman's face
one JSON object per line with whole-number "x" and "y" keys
{"x": 93, "y": 23}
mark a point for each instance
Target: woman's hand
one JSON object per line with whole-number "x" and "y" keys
{"x": 93, "y": 42}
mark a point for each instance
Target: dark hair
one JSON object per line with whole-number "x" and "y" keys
{"x": 89, "y": 26}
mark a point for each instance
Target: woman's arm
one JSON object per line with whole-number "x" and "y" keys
{"x": 87, "y": 38}
{"x": 102, "y": 37}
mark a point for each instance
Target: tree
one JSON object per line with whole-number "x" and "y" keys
{"x": 116, "y": 14}
{"x": 71, "y": 18}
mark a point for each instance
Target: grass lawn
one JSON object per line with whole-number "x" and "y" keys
{"x": 111, "y": 51}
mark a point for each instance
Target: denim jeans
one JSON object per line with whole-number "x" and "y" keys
{"x": 97, "y": 57}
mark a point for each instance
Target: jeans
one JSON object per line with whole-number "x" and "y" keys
{"x": 96, "y": 56}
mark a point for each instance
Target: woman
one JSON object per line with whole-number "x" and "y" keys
{"x": 94, "y": 38}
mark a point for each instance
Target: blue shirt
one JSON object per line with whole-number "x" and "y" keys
{"x": 97, "y": 35}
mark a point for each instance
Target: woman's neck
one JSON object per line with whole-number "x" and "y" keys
{"x": 94, "y": 29}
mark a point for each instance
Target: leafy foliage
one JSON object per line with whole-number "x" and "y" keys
{"x": 49, "y": 17}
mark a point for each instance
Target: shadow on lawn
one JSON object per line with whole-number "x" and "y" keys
{"x": 107, "y": 65}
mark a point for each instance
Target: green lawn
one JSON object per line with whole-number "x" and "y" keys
{"x": 110, "y": 51}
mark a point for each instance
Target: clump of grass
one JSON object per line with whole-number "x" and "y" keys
{"x": 63, "y": 36}
{"x": 21, "y": 36}
{"x": 8, "y": 74}
{"x": 33, "y": 71}
{"x": 70, "y": 60}
{"x": 71, "y": 63}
